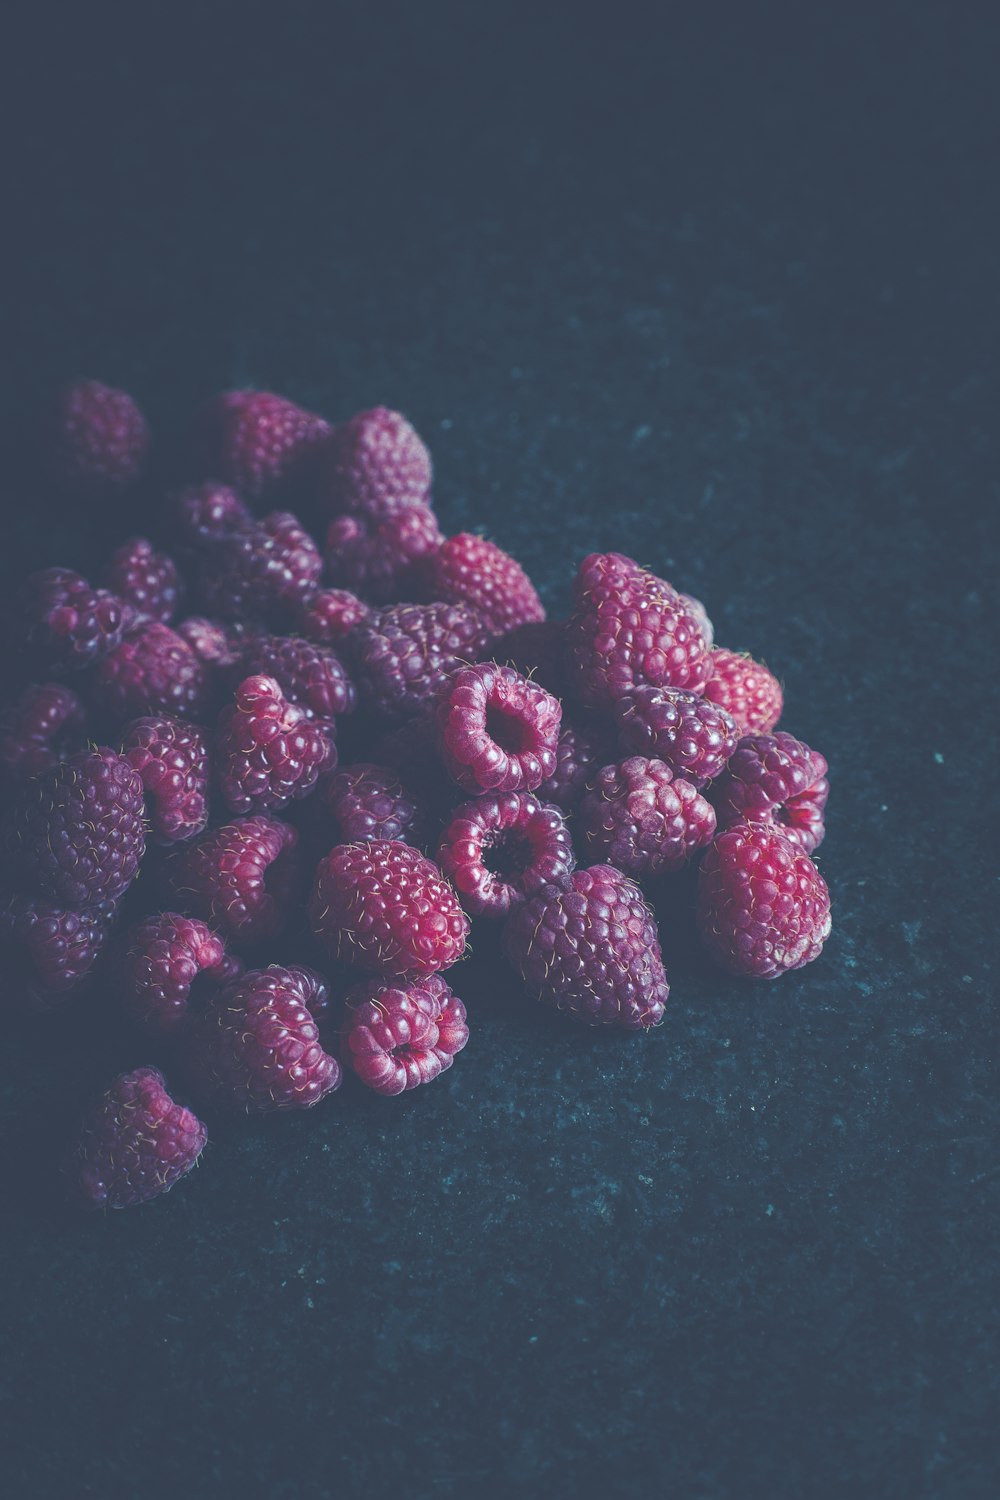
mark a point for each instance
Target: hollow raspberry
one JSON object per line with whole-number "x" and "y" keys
{"x": 373, "y": 465}
{"x": 405, "y": 654}
{"x": 329, "y": 616}
{"x": 152, "y": 671}
{"x": 144, "y": 578}
{"x": 312, "y": 677}
{"x": 134, "y": 1143}
{"x": 585, "y": 745}
{"x": 171, "y": 756}
{"x": 641, "y": 818}
{"x": 243, "y": 878}
{"x": 498, "y": 732}
{"x": 161, "y": 959}
{"x": 268, "y": 752}
{"x": 397, "y": 1037}
{"x": 257, "y": 440}
{"x": 499, "y": 849}
{"x": 43, "y": 726}
{"x": 763, "y": 906}
{"x": 101, "y": 435}
{"x": 368, "y": 801}
{"x": 591, "y": 949}
{"x": 385, "y": 908}
{"x": 746, "y": 689}
{"x": 47, "y": 951}
{"x": 468, "y": 569}
{"x": 376, "y": 555}
{"x": 65, "y": 623}
{"x": 690, "y": 734}
{"x": 775, "y": 779}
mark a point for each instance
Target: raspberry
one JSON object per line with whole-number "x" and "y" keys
{"x": 257, "y": 440}
{"x": 377, "y": 555}
{"x": 79, "y": 828}
{"x": 368, "y": 801}
{"x": 630, "y": 628}
{"x": 374, "y": 465}
{"x": 311, "y": 677}
{"x": 134, "y": 1143}
{"x": 585, "y": 745}
{"x": 745, "y": 689}
{"x": 498, "y": 850}
{"x": 763, "y": 907}
{"x": 470, "y": 570}
{"x": 591, "y": 949}
{"x": 691, "y": 735}
{"x": 161, "y": 959}
{"x": 775, "y": 779}
{"x": 172, "y": 759}
{"x": 144, "y": 578}
{"x": 406, "y": 654}
{"x": 256, "y": 1046}
{"x": 152, "y": 671}
{"x": 267, "y": 751}
{"x": 102, "y": 436}
{"x": 329, "y": 616}
{"x": 266, "y": 570}
{"x": 207, "y": 513}
{"x": 44, "y": 725}
{"x": 214, "y": 645}
{"x": 536, "y": 650}
{"x": 397, "y": 1037}
{"x": 697, "y": 609}
{"x": 68, "y": 623}
{"x": 498, "y": 732}
{"x": 48, "y": 951}
{"x": 243, "y": 878}
{"x": 312, "y": 987}
{"x": 385, "y": 908}
{"x": 642, "y": 819}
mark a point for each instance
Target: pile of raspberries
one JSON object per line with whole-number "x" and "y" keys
{"x": 270, "y": 768}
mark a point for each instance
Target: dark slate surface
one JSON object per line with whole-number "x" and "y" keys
{"x": 717, "y": 293}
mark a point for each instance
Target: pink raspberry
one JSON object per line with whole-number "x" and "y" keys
{"x": 329, "y": 616}
{"x": 367, "y": 801}
{"x": 44, "y": 725}
{"x": 161, "y": 960}
{"x": 267, "y": 751}
{"x": 585, "y": 745}
{"x": 629, "y": 628}
{"x": 256, "y": 1045}
{"x": 591, "y": 949}
{"x": 48, "y": 951}
{"x": 153, "y": 671}
{"x": 690, "y": 734}
{"x": 763, "y": 906}
{"x": 775, "y": 779}
{"x": 470, "y": 570}
{"x": 641, "y": 818}
{"x": 376, "y": 555}
{"x": 498, "y": 732}
{"x": 383, "y": 907}
{"x": 745, "y": 689}
{"x": 536, "y": 650}
{"x": 404, "y": 655}
{"x": 78, "y": 830}
{"x": 171, "y": 756}
{"x": 214, "y": 644}
{"x": 397, "y": 1037}
{"x": 68, "y": 624}
{"x": 312, "y": 677}
{"x": 134, "y": 1143}
{"x": 257, "y": 440}
{"x": 374, "y": 465}
{"x": 243, "y": 878}
{"x": 101, "y": 435}
{"x": 144, "y": 578}
{"x": 497, "y": 850}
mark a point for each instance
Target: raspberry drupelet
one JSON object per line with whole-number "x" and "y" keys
{"x": 499, "y": 849}
{"x": 775, "y": 779}
{"x": 498, "y": 731}
{"x": 243, "y": 879}
{"x": 690, "y": 734}
{"x": 644, "y": 820}
{"x": 161, "y": 959}
{"x": 468, "y": 569}
{"x": 134, "y": 1143}
{"x": 267, "y": 752}
{"x": 171, "y": 756}
{"x": 746, "y": 689}
{"x": 398, "y": 1036}
{"x": 145, "y": 578}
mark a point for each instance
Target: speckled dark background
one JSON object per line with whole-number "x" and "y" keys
{"x": 717, "y": 291}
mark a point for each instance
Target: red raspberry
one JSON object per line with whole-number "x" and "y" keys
{"x": 266, "y": 570}
{"x": 311, "y": 677}
{"x": 101, "y": 435}
{"x": 775, "y": 779}
{"x": 214, "y": 645}
{"x": 257, "y": 440}
{"x": 172, "y": 758}
{"x": 48, "y": 951}
{"x": 44, "y": 725}
{"x": 498, "y": 732}
{"x": 591, "y": 949}
{"x": 68, "y": 623}
{"x": 642, "y": 819}
{"x": 470, "y": 570}
{"x": 695, "y": 607}
{"x": 585, "y": 745}
{"x": 398, "y": 1037}
{"x": 763, "y": 907}
{"x": 161, "y": 959}
{"x": 153, "y": 671}
{"x": 207, "y": 513}
{"x": 134, "y": 1143}
{"x": 694, "y": 737}
{"x": 498, "y": 850}
{"x": 385, "y": 908}
{"x": 329, "y": 616}
{"x": 243, "y": 878}
{"x": 79, "y": 829}
{"x": 630, "y": 628}
{"x": 376, "y": 555}
{"x": 144, "y": 578}
{"x": 536, "y": 650}
{"x": 368, "y": 801}
{"x": 374, "y": 465}
{"x": 256, "y": 1045}
{"x": 267, "y": 751}
{"x": 745, "y": 689}
{"x": 407, "y": 653}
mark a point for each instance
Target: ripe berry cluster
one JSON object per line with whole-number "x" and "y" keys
{"x": 332, "y": 744}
